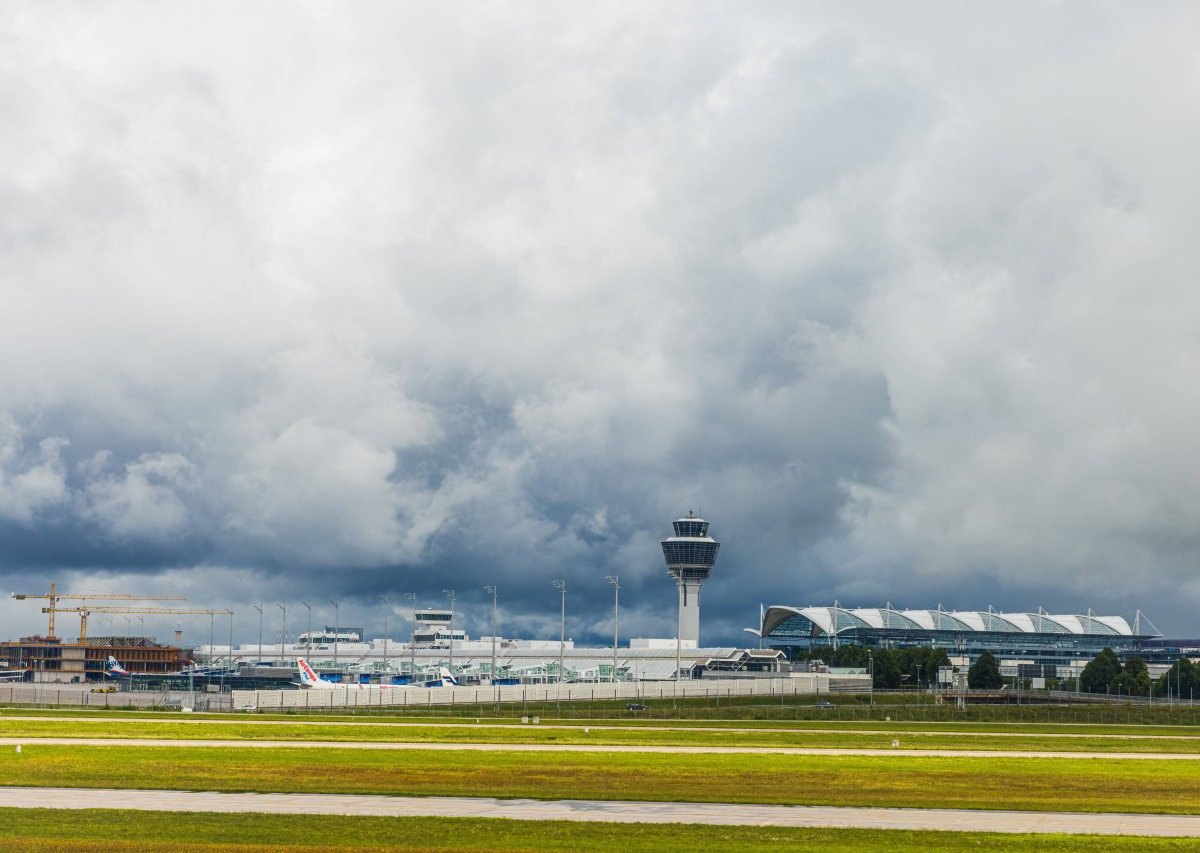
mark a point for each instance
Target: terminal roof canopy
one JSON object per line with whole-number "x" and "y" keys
{"x": 783, "y": 621}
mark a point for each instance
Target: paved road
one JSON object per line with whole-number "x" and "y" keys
{"x": 31, "y": 743}
{"x": 961, "y": 820}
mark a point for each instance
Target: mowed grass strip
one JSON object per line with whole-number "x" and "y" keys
{"x": 1085, "y": 785}
{"x": 65, "y": 830}
{"x": 94, "y": 717}
{"x": 881, "y": 737}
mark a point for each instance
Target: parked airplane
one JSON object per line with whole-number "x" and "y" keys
{"x": 115, "y": 669}
{"x": 445, "y": 679}
{"x": 309, "y": 680}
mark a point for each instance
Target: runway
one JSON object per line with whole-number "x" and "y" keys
{"x": 957, "y": 820}
{"x": 545, "y": 747}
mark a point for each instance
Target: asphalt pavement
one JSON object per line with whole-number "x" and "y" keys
{"x": 958, "y": 820}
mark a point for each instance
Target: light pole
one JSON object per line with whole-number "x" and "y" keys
{"x": 387, "y": 605}
{"x": 230, "y": 612}
{"x": 307, "y": 631}
{"x": 678, "y": 665}
{"x": 492, "y": 590}
{"x": 871, "y": 674}
{"x": 258, "y": 607}
{"x": 335, "y": 637}
{"x": 412, "y": 640}
{"x": 212, "y": 619}
{"x": 561, "y": 586}
{"x": 283, "y": 636}
{"x": 615, "y": 580}
{"x": 142, "y": 627}
{"x": 450, "y": 593}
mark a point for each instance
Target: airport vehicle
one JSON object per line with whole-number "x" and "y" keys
{"x": 309, "y": 680}
{"x": 635, "y": 706}
{"x": 108, "y": 688}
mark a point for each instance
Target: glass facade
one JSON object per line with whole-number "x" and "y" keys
{"x": 690, "y": 553}
{"x": 690, "y": 527}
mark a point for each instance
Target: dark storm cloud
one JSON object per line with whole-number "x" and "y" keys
{"x": 316, "y": 303}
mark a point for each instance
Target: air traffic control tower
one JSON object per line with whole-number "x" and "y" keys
{"x": 690, "y": 555}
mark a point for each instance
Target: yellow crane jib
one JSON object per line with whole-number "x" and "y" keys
{"x": 55, "y": 597}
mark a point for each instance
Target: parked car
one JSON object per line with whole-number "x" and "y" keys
{"x": 635, "y": 706}
{"x": 824, "y": 704}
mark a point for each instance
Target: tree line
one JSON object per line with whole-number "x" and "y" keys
{"x": 1106, "y": 674}
{"x": 918, "y": 667}
{"x": 893, "y": 668}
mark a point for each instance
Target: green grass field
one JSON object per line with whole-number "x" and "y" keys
{"x": 1085, "y": 785}
{"x": 906, "y": 706}
{"x": 63, "y": 830}
{"x": 843, "y": 735}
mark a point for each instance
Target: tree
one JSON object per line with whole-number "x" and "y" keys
{"x": 1131, "y": 685}
{"x": 1134, "y": 665}
{"x": 920, "y": 663}
{"x": 887, "y": 673}
{"x": 1098, "y": 675}
{"x": 984, "y": 674}
{"x": 1180, "y": 680}
{"x": 849, "y": 655}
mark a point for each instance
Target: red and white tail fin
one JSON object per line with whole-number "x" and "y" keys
{"x": 309, "y": 678}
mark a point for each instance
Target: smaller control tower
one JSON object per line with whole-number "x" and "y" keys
{"x": 690, "y": 555}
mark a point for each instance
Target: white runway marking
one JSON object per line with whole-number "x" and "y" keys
{"x": 960, "y": 820}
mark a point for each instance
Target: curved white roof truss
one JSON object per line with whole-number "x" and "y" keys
{"x": 831, "y": 621}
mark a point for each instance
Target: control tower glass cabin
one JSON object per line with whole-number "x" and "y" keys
{"x": 690, "y": 555}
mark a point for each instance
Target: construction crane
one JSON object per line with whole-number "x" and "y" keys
{"x": 55, "y": 597}
{"x": 85, "y": 611}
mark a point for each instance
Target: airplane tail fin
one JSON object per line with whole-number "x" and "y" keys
{"x": 308, "y": 678}
{"x": 114, "y": 667}
{"x": 448, "y": 679}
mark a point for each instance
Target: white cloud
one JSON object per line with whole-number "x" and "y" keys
{"x": 30, "y": 483}
{"x": 145, "y": 501}
{"x": 884, "y": 289}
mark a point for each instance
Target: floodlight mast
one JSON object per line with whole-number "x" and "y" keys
{"x": 615, "y": 580}
{"x": 231, "y": 659}
{"x": 307, "y": 631}
{"x": 258, "y": 607}
{"x": 336, "y": 619}
{"x": 492, "y": 590}
{"x": 412, "y": 638}
{"x": 387, "y": 605}
{"x": 561, "y": 586}
{"x": 450, "y": 593}
{"x": 283, "y": 634}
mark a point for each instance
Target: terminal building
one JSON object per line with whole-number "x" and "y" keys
{"x": 1038, "y": 643}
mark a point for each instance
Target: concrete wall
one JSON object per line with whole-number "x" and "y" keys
{"x": 350, "y": 697}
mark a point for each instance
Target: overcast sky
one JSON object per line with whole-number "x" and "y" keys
{"x": 327, "y": 301}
